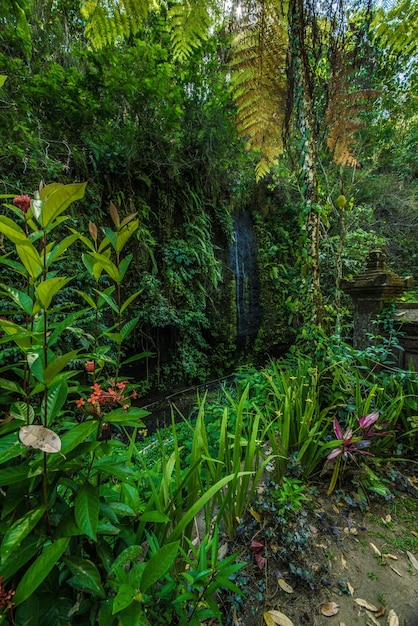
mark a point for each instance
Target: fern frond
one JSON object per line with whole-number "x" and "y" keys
{"x": 259, "y": 84}
{"x": 396, "y": 29}
{"x": 343, "y": 107}
{"x": 111, "y": 20}
{"x": 190, "y": 23}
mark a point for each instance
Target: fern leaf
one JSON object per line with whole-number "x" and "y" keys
{"x": 189, "y": 24}
{"x": 259, "y": 84}
{"x": 108, "y": 21}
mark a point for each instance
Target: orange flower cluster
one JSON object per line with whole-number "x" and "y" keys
{"x": 101, "y": 400}
{"x": 22, "y": 202}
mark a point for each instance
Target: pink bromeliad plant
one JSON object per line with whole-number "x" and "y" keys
{"x": 351, "y": 443}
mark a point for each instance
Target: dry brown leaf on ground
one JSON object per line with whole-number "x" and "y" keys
{"x": 413, "y": 560}
{"x": 276, "y": 618}
{"x": 344, "y": 562}
{"x": 329, "y": 609}
{"x": 395, "y": 570}
{"x": 393, "y": 619}
{"x": 375, "y": 548}
{"x": 350, "y": 588}
{"x": 365, "y": 604}
{"x": 285, "y": 586}
{"x": 372, "y": 619}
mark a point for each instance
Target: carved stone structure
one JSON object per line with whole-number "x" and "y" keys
{"x": 370, "y": 290}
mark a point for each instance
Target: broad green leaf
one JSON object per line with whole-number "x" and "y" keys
{"x": 12, "y": 475}
{"x": 10, "y": 447}
{"x": 125, "y": 596}
{"x": 88, "y": 299}
{"x": 86, "y": 510}
{"x": 60, "y": 248}
{"x": 58, "y": 365}
{"x": 56, "y": 397}
{"x": 106, "y": 616}
{"x": 126, "y": 557}
{"x": 129, "y": 301}
{"x": 11, "y": 385}
{"x": 77, "y": 435}
{"x": 159, "y": 564}
{"x": 112, "y": 467}
{"x": 11, "y": 230}
{"x": 2, "y": 79}
{"x": 30, "y": 258}
{"x": 129, "y": 417}
{"x": 111, "y": 236}
{"x": 125, "y": 233}
{"x": 133, "y": 616}
{"x": 15, "y": 265}
{"x": 58, "y": 198}
{"x": 129, "y": 495}
{"x": 108, "y": 266}
{"x": 46, "y": 290}
{"x": 27, "y": 550}
{"x": 123, "y": 266}
{"x": 86, "y": 576}
{"x": 136, "y": 357}
{"x": 22, "y": 411}
{"x": 19, "y": 530}
{"x": 109, "y": 300}
{"x": 154, "y": 516}
{"x": 22, "y": 299}
{"x": 39, "y": 570}
{"x": 128, "y": 327}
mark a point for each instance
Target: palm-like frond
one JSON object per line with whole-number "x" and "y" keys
{"x": 190, "y": 23}
{"x": 397, "y": 29}
{"x": 113, "y": 19}
{"x": 259, "y": 83}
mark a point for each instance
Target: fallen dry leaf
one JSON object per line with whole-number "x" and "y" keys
{"x": 393, "y": 619}
{"x": 285, "y": 586}
{"x": 375, "y": 549}
{"x": 395, "y": 570}
{"x": 276, "y": 618}
{"x": 255, "y": 515}
{"x": 344, "y": 562}
{"x": 381, "y": 611}
{"x": 387, "y": 555}
{"x": 329, "y": 609}
{"x": 350, "y": 588}
{"x": 413, "y": 560}
{"x": 365, "y": 604}
{"x": 372, "y": 618}
{"x": 223, "y": 551}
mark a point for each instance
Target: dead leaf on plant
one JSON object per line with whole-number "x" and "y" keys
{"x": 285, "y": 586}
{"x": 276, "y": 618}
{"x": 365, "y": 604}
{"x": 329, "y": 609}
{"x": 393, "y": 619}
{"x": 39, "y": 437}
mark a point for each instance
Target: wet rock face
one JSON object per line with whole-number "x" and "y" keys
{"x": 243, "y": 264}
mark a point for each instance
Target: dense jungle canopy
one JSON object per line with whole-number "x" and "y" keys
{"x": 287, "y": 129}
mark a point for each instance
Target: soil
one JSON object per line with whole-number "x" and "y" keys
{"x": 364, "y": 561}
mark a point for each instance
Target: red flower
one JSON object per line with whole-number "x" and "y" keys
{"x": 89, "y": 366}
{"x": 79, "y": 403}
{"x": 22, "y": 202}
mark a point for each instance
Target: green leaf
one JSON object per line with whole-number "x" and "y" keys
{"x": 136, "y": 357}
{"x": 123, "y": 266}
{"x": 22, "y": 299}
{"x": 126, "y": 557}
{"x": 125, "y": 233}
{"x": 39, "y": 570}
{"x": 2, "y": 79}
{"x": 46, "y": 290}
{"x": 88, "y": 299}
{"x": 128, "y": 327}
{"x": 58, "y": 198}
{"x": 131, "y": 417}
{"x": 30, "y": 258}
{"x": 106, "y": 264}
{"x": 57, "y": 395}
{"x": 11, "y": 230}
{"x": 86, "y": 510}
{"x": 19, "y": 530}
{"x": 10, "y": 447}
{"x": 106, "y": 297}
{"x": 22, "y": 411}
{"x": 77, "y": 435}
{"x": 12, "y": 475}
{"x": 124, "y": 598}
{"x": 154, "y": 516}
{"x": 159, "y": 564}
{"x": 129, "y": 301}
{"x": 133, "y": 616}
{"x": 86, "y": 576}
{"x": 11, "y": 385}
{"x": 58, "y": 365}
{"x": 27, "y": 550}
{"x": 59, "y": 249}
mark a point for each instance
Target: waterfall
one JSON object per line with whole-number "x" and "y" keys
{"x": 244, "y": 267}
